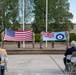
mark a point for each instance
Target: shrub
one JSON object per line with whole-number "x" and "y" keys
{"x": 37, "y": 37}
{"x": 72, "y": 36}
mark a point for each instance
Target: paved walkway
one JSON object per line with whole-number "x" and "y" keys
{"x": 35, "y": 65}
{"x": 28, "y": 45}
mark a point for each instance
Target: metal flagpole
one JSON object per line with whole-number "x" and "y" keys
{"x": 23, "y": 22}
{"x": 46, "y": 17}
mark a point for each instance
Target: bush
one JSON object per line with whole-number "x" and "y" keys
{"x": 37, "y": 37}
{"x": 72, "y": 36}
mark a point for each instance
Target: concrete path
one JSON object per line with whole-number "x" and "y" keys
{"x": 28, "y": 46}
{"x": 35, "y": 65}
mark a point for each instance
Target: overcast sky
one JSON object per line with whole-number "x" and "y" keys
{"x": 73, "y": 9}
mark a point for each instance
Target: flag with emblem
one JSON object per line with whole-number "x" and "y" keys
{"x": 54, "y": 36}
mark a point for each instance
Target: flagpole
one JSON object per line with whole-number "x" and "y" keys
{"x": 23, "y": 23}
{"x": 46, "y": 17}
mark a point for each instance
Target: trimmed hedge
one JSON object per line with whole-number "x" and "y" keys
{"x": 37, "y": 37}
{"x": 72, "y": 36}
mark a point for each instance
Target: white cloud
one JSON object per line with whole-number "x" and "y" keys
{"x": 74, "y": 21}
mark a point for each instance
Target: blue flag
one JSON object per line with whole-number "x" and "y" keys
{"x": 54, "y": 36}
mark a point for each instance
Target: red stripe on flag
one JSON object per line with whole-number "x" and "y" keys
{"x": 20, "y": 36}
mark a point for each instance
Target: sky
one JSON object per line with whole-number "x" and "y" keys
{"x": 73, "y": 9}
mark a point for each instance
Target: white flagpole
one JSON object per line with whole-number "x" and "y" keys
{"x": 46, "y": 17}
{"x": 23, "y": 22}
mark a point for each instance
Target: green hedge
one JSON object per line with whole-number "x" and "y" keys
{"x": 37, "y": 37}
{"x": 72, "y": 36}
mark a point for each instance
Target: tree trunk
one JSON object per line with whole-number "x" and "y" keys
{"x": 67, "y": 39}
{"x": 41, "y": 41}
{"x": 33, "y": 42}
{"x": 53, "y": 42}
{"x": 2, "y": 37}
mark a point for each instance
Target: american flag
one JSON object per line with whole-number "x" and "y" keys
{"x": 11, "y": 35}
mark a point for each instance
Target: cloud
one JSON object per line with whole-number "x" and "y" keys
{"x": 73, "y": 21}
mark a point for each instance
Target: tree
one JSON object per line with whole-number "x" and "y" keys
{"x": 9, "y": 14}
{"x": 39, "y": 11}
{"x": 58, "y": 15}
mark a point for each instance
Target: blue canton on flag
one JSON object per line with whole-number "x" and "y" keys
{"x": 10, "y": 32}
